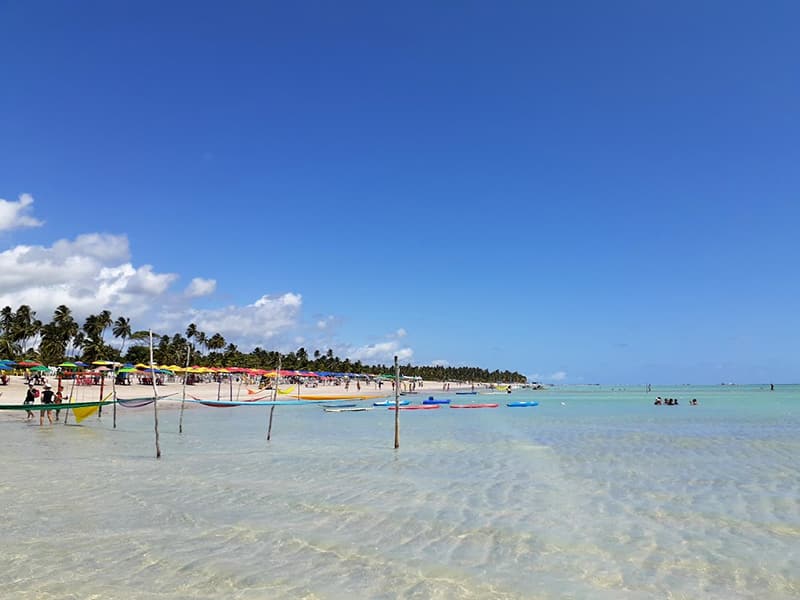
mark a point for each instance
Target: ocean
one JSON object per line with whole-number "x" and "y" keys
{"x": 595, "y": 493}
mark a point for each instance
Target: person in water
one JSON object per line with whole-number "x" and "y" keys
{"x": 47, "y": 398}
{"x": 30, "y": 398}
{"x": 58, "y": 400}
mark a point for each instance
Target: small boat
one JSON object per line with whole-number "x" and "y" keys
{"x": 522, "y": 403}
{"x": 433, "y": 400}
{"x": 466, "y": 393}
{"x": 343, "y": 405}
{"x": 348, "y": 409}
{"x": 391, "y": 403}
{"x": 492, "y": 405}
{"x": 417, "y": 407}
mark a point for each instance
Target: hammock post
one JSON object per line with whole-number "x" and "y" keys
{"x": 183, "y": 398}
{"x": 114, "y": 393}
{"x": 396, "y": 404}
{"x": 100, "y": 408}
{"x": 69, "y": 400}
{"x": 274, "y": 397}
{"x": 155, "y": 395}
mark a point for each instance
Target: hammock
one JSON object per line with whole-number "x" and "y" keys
{"x": 139, "y": 402}
{"x": 63, "y": 406}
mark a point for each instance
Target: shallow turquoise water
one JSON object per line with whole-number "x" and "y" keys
{"x": 596, "y": 493}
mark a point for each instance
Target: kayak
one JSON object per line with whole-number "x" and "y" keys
{"x": 522, "y": 403}
{"x": 474, "y": 405}
{"x": 466, "y": 393}
{"x": 417, "y": 407}
{"x": 391, "y": 403}
{"x": 343, "y": 405}
{"x": 435, "y": 401}
{"x": 349, "y": 409}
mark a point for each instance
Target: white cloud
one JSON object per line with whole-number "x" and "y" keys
{"x": 95, "y": 272}
{"x": 381, "y": 352}
{"x": 201, "y": 287}
{"x": 14, "y": 215}
{"x": 250, "y": 325}
{"x": 326, "y": 322}
{"x": 88, "y": 274}
{"x": 558, "y": 376}
{"x": 440, "y": 363}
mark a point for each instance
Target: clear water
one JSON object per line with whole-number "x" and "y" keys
{"x": 596, "y": 493}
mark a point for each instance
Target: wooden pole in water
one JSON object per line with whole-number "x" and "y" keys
{"x": 396, "y": 404}
{"x": 114, "y": 392}
{"x": 183, "y": 398}
{"x": 100, "y": 408}
{"x": 69, "y": 398}
{"x": 274, "y": 398}
{"x": 155, "y": 395}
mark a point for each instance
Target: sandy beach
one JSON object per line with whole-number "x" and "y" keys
{"x": 15, "y": 390}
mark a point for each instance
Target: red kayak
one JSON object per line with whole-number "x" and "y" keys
{"x": 474, "y": 405}
{"x": 417, "y": 407}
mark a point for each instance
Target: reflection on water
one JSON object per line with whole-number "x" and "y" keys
{"x": 596, "y": 493}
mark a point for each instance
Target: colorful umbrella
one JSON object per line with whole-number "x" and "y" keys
{"x": 40, "y": 368}
{"x": 28, "y": 363}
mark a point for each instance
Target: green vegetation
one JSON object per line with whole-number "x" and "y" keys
{"x": 23, "y": 336}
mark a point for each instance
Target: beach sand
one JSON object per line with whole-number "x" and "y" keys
{"x": 14, "y": 392}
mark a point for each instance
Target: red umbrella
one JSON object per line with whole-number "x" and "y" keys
{"x": 28, "y": 363}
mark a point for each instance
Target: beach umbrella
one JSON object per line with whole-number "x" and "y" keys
{"x": 4, "y": 367}
{"x": 8, "y": 361}
{"x": 40, "y": 368}
{"x": 81, "y": 364}
{"x": 127, "y": 370}
{"x": 68, "y": 365}
{"x": 28, "y": 363}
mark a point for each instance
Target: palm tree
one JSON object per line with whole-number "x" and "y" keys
{"x": 104, "y": 321}
{"x": 122, "y": 329}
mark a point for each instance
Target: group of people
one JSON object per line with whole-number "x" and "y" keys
{"x": 672, "y": 402}
{"x": 48, "y": 396}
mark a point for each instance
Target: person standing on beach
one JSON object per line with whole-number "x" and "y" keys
{"x": 47, "y": 398}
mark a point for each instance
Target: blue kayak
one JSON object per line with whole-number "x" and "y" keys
{"x": 433, "y": 400}
{"x": 522, "y": 403}
{"x": 391, "y": 403}
{"x": 343, "y": 405}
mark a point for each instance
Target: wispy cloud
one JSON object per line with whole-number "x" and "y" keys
{"x": 556, "y": 376}
{"x": 16, "y": 214}
{"x": 200, "y": 287}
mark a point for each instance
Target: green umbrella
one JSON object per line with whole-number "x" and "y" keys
{"x": 68, "y": 365}
{"x": 40, "y": 368}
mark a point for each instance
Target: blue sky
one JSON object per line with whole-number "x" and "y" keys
{"x": 585, "y": 192}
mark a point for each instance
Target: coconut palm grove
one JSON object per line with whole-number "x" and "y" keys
{"x": 102, "y": 337}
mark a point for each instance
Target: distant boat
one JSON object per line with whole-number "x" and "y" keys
{"x": 466, "y": 393}
{"x": 349, "y": 409}
{"x": 391, "y": 403}
{"x": 433, "y": 400}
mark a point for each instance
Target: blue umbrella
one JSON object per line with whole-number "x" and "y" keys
{"x": 4, "y": 367}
